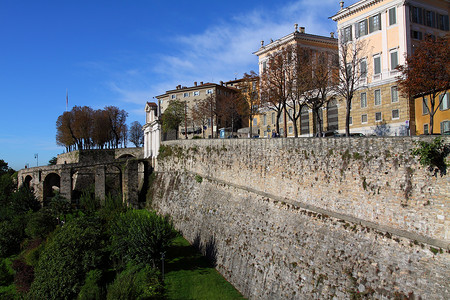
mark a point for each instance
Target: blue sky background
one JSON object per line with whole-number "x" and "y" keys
{"x": 124, "y": 53}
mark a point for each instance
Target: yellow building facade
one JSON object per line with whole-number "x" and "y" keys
{"x": 266, "y": 121}
{"x": 441, "y": 120}
{"x": 388, "y": 31}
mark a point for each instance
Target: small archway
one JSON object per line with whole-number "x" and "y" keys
{"x": 27, "y": 182}
{"x": 51, "y": 186}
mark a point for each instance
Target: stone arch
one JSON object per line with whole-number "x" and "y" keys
{"x": 51, "y": 185}
{"x": 332, "y": 115}
{"x": 27, "y": 182}
{"x": 83, "y": 180}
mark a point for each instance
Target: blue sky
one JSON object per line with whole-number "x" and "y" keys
{"x": 124, "y": 53}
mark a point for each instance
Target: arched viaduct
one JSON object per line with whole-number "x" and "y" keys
{"x": 120, "y": 172}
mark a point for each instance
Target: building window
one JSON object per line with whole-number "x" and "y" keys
{"x": 265, "y": 119}
{"x": 348, "y": 70}
{"x": 363, "y": 100}
{"x": 291, "y": 129}
{"x": 173, "y": 96}
{"x": 281, "y": 118}
{"x": 424, "y": 106}
{"x": 395, "y": 114}
{"x": 377, "y": 97}
{"x": 394, "y": 94}
{"x": 425, "y": 129}
{"x": 363, "y": 68}
{"x": 264, "y": 66}
{"x": 273, "y": 118}
{"x": 416, "y": 15}
{"x": 445, "y": 127}
{"x": 361, "y": 28}
{"x": 364, "y": 118}
{"x": 255, "y": 122}
{"x": 347, "y": 34}
{"x": 392, "y": 16}
{"x": 375, "y": 23}
{"x": 442, "y": 22}
{"x": 196, "y": 93}
{"x": 445, "y": 101}
{"x": 394, "y": 60}
{"x": 209, "y": 92}
{"x": 350, "y": 121}
{"x": 378, "y": 117}
{"x": 186, "y": 95}
{"x": 290, "y": 113}
{"x": 417, "y": 35}
{"x": 377, "y": 64}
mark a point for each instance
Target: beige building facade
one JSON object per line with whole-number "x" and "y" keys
{"x": 266, "y": 122}
{"x": 193, "y": 96}
{"x": 388, "y": 31}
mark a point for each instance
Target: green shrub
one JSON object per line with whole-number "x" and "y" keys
{"x": 88, "y": 202}
{"x": 11, "y": 235}
{"x": 40, "y": 224}
{"x": 432, "y": 155}
{"x": 92, "y": 286}
{"x": 140, "y": 236}
{"x": 23, "y": 200}
{"x": 136, "y": 282}
{"x": 6, "y": 273}
{"x": 73, "y": 250}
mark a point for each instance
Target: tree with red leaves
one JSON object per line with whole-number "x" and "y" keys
{"x": 426, "y": 73}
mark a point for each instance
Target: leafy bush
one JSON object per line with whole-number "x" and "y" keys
{"x": 432, "y": 155}
{"x": 88, "y": 202}
{"x": 6, "y": 274}
{"x": 11, "y": 235}
{"x": 40, "y": 224}
{"x": 136, "y": 282}
{"x": 140, "y": 236}
{"x": 91, "y": 288}
{"x": 73, "y": 250}
{"x": 23, "y": 200}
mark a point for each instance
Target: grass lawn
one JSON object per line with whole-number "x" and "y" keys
{"x": 190, "y": 276}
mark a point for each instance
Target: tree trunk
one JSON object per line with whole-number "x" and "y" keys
{"x": 347, "y": 118}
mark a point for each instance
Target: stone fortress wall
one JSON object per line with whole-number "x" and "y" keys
{"x": 311, "y": 218}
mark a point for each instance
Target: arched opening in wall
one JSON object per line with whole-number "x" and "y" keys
{"x": 83, "y": 181}
{"x": 143, "y": 180}
{"x": 113, "y": 181}
{"x": 51, "y": 186}
{"x": 27, "y": 182}
{"x": 304, "y": 120}
{"x": 332, "y": 115}
{"x": 126, "y": 156}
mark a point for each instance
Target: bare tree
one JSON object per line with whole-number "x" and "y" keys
{"x": 249, "y": 108}
{"x": 200, "y": 113}
{"x": 276, "y": 82}
{"x": 348, "y": 73}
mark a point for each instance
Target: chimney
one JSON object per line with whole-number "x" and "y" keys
{"x": 262, "y": 44}
{"x": 221, "y": 83}
{"x": 342, "y": 4}
{"x": 302, "y": 29}
{"x": 296, "y": 26}
{"x": 201, "y": 82}
{"x": 332, "y": 35}
{"x": 195, "y": 83}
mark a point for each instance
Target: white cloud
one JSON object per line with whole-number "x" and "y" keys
{"x": 222, "y": 50}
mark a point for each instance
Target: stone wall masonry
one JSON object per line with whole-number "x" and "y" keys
{"x": 270, "y": 249}
{"x": 373, "y": 180}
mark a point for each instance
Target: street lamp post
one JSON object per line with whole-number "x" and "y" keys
{"x": 36, "y": 155}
